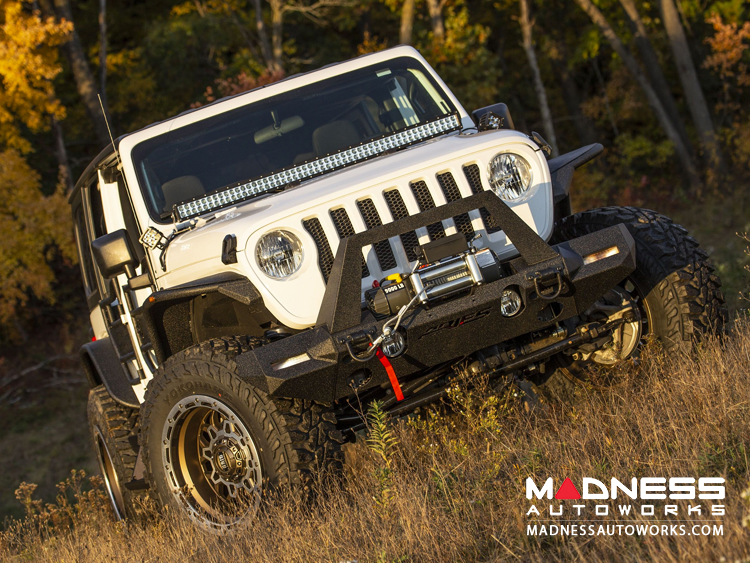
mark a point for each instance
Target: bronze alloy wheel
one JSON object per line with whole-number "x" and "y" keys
{"x": 211, "y": 461}
{"x": 107, "y": 469}
{"x": 628, "y": 339}
{"x": 215, "y": 447}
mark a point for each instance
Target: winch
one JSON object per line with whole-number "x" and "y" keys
{"x": 443, "y": 272}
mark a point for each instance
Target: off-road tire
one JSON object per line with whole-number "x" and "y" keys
{"x": 117, "y": 426}
{"x": 675, "y": 277}
{"x": 296, "y": 439}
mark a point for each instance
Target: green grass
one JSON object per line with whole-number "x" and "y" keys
{"x": 45, "y": 435}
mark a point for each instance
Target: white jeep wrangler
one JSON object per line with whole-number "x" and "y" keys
{"x": 258, "y": 268}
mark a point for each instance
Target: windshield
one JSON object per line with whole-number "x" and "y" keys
{"x": 286, "y": 130}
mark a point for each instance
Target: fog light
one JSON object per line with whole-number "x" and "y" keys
{"x": 289, "y": 362}
{"x": 601, "y": 255}
{"x": 393, "y": 344}
{"x": 510, "y": 303}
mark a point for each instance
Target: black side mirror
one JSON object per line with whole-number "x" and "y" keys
{"x": 114, "y": 254}
{"x": 500, "y": 110}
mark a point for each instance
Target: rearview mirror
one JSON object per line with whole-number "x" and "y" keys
{"x": 114, "y": 254}
{"x": 277, "y": 130}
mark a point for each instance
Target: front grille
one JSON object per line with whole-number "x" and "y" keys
{"x": 398, "y": 209}
{"x": 424, "y": 192}
{"x": 451, "y": 192}
{"x": 474, "y": 177}
{"x": 382, "y": 248}
{"x": 424, "y": 200}
{"x": 325, "y": 256}
{"x": 344, "y": 228}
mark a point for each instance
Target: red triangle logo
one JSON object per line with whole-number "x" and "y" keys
{"x": 567, "y": 491}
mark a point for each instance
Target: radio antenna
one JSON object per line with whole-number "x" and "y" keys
{"x": 112, "y": 139}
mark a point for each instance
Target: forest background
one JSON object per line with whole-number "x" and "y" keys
{"x": 664, "y": 85}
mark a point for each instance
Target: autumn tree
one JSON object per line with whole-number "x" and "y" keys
{"x": 650, "y": 60}
{"x": 681, "y": 150}
{"x": 32, "y": 226}
{"x": 527, "y": 25}
{"x": 75, "y": 53}
{"x": 691, "y": 85}
{"x": 730, "y": 47}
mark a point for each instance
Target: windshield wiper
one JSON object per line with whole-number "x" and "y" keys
{"x": 196, "y": 222}
{"x": 153, "y": 238}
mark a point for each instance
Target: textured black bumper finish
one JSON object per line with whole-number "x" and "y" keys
{"x": 340, "y": 309}
{"x": 446, "y": 331}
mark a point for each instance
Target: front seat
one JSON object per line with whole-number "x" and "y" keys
{"x": 334, "y": 136}
{"x": 180, "y": 189}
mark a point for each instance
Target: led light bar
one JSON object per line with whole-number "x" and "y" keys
{"x": 347, "y": 157}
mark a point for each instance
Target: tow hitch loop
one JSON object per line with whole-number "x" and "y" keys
{"x": 544, "y": 277}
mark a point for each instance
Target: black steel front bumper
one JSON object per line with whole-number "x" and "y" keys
{"x": 447, "y": 331}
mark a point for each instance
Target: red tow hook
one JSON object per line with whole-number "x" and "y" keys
{"x": 391, "y": 374}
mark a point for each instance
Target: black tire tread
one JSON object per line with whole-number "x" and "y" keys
{"x": 121, "y": 423}
{"x": 303, "y": 433}
{"x": 689, "y": 287}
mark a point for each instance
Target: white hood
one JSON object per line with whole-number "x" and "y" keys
{"x": 296, "y": 301}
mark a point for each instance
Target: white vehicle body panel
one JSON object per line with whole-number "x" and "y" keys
{"x": 296, "y": 301}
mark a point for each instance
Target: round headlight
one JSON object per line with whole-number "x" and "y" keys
{"x": 510, "y": 175}
{"x": 279, "y": 254}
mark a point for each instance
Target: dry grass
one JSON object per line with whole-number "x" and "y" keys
{"x": 451, "y": 488}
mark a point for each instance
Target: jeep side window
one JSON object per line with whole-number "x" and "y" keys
{"x": 97, "y": 211}
{"x": 87, "y": 263}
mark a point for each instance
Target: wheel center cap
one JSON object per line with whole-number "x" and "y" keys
{"x": 229, "y": 459}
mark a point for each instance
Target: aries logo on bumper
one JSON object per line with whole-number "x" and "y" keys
{"x": 466, "y": 319}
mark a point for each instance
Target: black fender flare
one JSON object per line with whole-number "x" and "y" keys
{"x": 171, "y": 308}
{"x": 102, "y": 367}
{"x": 561, "y": 168}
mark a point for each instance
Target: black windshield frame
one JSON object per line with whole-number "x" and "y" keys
{"x": 173, "y": 142}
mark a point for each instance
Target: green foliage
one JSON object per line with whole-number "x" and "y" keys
{"x": 382, "y": 442}
{"x": 380, "y": 439}
{"x": 463, "y": 59}
{"x": 34, "y": 229}
{"x": 164, "y": 56}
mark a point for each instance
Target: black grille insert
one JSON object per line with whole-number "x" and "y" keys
{"x": 382, "y": 248}
{"x": 325, "y": 256}
{"x": 474, "y": 177}
{"x": 424, "y": 200}
{"x": 344, "y": 228}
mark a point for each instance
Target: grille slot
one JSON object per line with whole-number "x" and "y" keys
{"x": 452, "y": 193}
{"x": 344, "y": 229}
{"x": 473, "y": 176}
{"x": 325, "y": 256}
{"x": 383, "y": 249}
{"x": 424, "y": 200}
{"x": 398, "y": 209}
